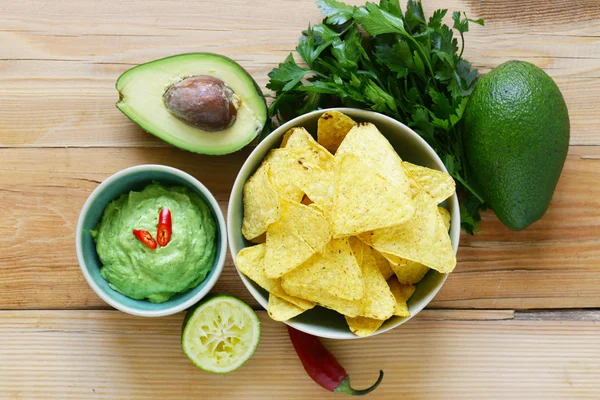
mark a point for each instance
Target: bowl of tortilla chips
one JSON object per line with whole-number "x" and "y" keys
{"x": 343, "y": 223}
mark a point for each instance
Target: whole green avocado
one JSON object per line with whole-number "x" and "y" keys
{"x": 516, "y": 139}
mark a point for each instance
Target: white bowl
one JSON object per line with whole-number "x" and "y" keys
{"x": 136, "y": 178}
{"x": 411, "y": 147}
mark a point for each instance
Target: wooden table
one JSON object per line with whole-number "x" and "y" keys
{"x": 518, "y": 319}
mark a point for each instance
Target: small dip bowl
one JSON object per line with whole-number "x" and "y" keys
{"x": 136, "y": 178}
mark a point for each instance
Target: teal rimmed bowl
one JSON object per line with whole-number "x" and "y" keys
{"x": 410, "y": 147}
{"x": 136, "y": 178}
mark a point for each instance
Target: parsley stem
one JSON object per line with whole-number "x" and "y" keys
{"x": 469, "y": 188}
{"x": 424, "y": 55}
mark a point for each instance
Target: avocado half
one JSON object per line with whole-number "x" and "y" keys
{"x": 141, "y": 91}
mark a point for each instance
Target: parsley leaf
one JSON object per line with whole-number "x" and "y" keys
{"x": 288, "y": 75}
{"x": 336, "y": 12}
{"x": 401, "y": 64}
{"x": 377, "y": 21}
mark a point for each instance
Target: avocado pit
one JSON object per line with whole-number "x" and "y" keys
{"x": 203, "y": 101}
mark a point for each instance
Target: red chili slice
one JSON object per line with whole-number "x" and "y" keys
{"x": 145, "y": 237}
{"x": 165, "y": 227}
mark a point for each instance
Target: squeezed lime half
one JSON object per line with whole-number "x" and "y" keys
{"x": 220, "y": 334}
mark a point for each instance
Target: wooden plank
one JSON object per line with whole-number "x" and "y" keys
{"x": 38, "y": 266}
{"x": 81, "y": 112}
{"x": 57, "y": 70}
{"x": 553, "y": 264}
{"x": 107, "y": 354}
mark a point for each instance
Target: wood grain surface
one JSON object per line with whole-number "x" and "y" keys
{"x": 110, "y": 355}
{"x": 541, "y": 267}
{"x": 517, "y": 319}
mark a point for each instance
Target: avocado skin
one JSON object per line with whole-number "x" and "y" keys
{"x": 516, "y": 140}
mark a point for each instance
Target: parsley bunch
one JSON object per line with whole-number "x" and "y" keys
{"x": 379, "y": 58}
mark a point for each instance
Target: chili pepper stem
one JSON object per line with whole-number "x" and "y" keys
{"x": 344, "y": 387}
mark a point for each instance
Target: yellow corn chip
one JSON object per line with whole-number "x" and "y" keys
{"x": 407, "y": 272}
{"x": 357, "y": 248}
{"x": 335, "y": 272}
{"x": 365, "y": 237}
{"x": 394, "y": 260}
{"x": 250, "y": 262}
{"x": 299, "y": 168}
{"x": 382, "y": 264}
{"x": 423, "y": 239}
{"x": 362, "y": 326}
{"x": 410, "y": 272}
{"x": 261, "y": 204}
{"x": 300, "y": 232}
{"x": 378, "y": 301}
{"x": 365, "y": 200}
{"x": 445, "y": 216}
{"x": 315, "y": 181}
{"x": 317, "y": 154}
{"x": 279, "y": 178}
{"x": 390, "y": 264}
{"x": 366, "y": 142}
{"x": 401, "y": 293}
{"x": 332, "y": 129}
{"x": 282, "y": 310}
{"x": 286, "y": 137}
{"x": 321, "y": 297}
{"x": 438, "y": 184}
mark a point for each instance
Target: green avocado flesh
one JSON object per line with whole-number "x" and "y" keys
{"x": 516, "y": 140}
{"x": 141, "y": 92}
{"x": 139, "y": 272}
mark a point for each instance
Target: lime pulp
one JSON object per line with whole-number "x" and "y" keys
{"x": 220, "y": 334}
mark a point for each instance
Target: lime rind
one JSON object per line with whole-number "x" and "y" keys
{"x": 220, "y": 334}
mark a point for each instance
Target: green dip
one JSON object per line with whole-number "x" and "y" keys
{"x": 139, "y": 272}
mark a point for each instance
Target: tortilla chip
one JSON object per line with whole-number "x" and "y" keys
{"x": 300, "y": 168}
{"x": 382, "y": 264}
{"x": 335, "y": 272}
{"x": 316, "y": 182}
{"x": 322, "y": 298}
{"x": 279, "y": 178}
{"x": 394, "y": 260}
{"x": 445, "y": 216}
{"x": 407, "y": 272}
{"x": 401, "y": 293}
{"x": 332, "y": 129}
{"x": 286, "y": 137}
{"x": 282, "y": 310}
{"x": 362, "y": 326}
{"x": 261, "y": 204}
{"x": 378, "y": 301}
{"x": 250, "y": 262}
{"x": 317, "y": 154}
{"x": 366, "y": 142}
{"x": 300, "y": 232}
{"x": 365, "y": 200}
{"x": 423, "y": 239}
{"x": 438, "y": 184}
{"x": 357, "y": 249}
{"x": 410, "y": 272}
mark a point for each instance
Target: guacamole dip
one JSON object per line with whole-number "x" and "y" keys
{"x": 135, "y": 270}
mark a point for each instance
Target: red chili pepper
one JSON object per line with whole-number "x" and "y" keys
{"x": 322, "y": 366}
{"x": 145, "y": 237}
{"x": 165, "y": 227}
